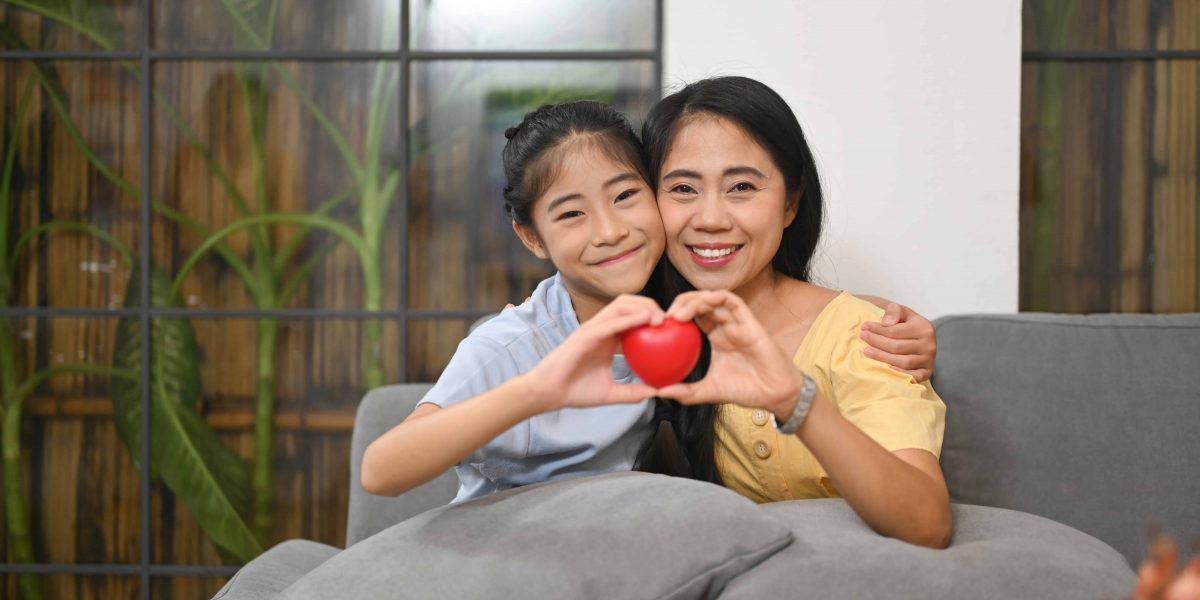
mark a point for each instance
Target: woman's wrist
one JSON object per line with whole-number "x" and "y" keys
{"x": 785, "y": 405}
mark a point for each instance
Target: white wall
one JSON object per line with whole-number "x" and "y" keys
{"x": 913, "y": 110}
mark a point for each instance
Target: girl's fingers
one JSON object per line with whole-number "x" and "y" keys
{"x": 893, "y": 346}
{"x": 904, "y": 361}
{"x": 680, "y": 392}
{"x": 919, "y": 375}
{"x": 909, "y": 330}
{"x": 605, "y": 327}
{"x": 630, "y": 393}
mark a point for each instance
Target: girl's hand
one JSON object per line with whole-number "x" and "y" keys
{"x": 578, "y": 373}
{"x": 905, "y": 340}
{"x": 747, "y": 366}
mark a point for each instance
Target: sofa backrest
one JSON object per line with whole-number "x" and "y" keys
{"x": 380, "y": 410}
{"x": 1093, "y": 421}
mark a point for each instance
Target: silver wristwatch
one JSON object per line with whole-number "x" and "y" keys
{"x": 803, "y": 402}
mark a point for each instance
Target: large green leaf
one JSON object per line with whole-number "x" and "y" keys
{"x": 205, "y": 475}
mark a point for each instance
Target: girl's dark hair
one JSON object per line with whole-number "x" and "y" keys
{"x": 766, "y": 117}
{"x": 532, "y": 156}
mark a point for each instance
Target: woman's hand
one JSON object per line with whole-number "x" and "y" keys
{"x": 578, "y": 373}
{"x": 905, "y": 340}
{"x": 747, "y": 366}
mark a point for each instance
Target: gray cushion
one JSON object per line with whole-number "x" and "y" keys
{"x": 1086, "y": 420}
{"x": 275, "y": 569}
{"x": 620, "y": 535}
{"x": 995, "y": 553}
{"x": 380, "y": 410}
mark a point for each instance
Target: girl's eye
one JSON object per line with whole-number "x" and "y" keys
{"x": 683, "y": 188}
{"x": 625, "y": 195}
{"x": 570, "y": 214}
{"x": 743, "y": 187}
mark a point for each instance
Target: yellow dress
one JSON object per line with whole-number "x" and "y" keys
{"x": 889, "y": 406}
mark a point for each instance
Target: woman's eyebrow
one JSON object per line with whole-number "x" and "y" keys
{"x": 744, "y": 171}
{"x": 682, "y": 173}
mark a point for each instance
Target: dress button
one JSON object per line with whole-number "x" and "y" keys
{"x": 762, "y": 449}
{"x": 759, "y": 416}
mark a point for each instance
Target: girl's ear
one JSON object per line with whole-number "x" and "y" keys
{"x": 531, "y": 239}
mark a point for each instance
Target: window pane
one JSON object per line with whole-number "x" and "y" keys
{"x": 240, "y": 140}
{"x": 1109, "y": 187}
{"x": 462, "y": 250}
{"x": 70, "y": 195}
{"x": 93, "y": 25}
{"x": 294, "y": 25}
{"x": 532, "y": 25}
{"x": 1111, "y": 25}
{"x": 81, "y": 488}
{"x": 431, "y": 343}
{"x": 312, "y": 376}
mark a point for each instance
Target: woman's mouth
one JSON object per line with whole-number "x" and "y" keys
{"x": 713, "y": 255}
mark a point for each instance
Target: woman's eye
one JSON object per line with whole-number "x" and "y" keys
{"x": 683, "y": 188}
{"x": 625, "y": 195}
{"x": 743, "y": 187}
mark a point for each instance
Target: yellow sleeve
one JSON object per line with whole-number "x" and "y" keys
{"x": 887, "y": 405}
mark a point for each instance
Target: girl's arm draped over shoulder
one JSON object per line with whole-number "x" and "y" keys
{"x": 578, "y": 373}
{"x": 904, "y": 339}
{"x": 900, "y": 494}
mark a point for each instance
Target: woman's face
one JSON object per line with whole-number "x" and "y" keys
{"x": 724, "y": 204}
{"x": 597, "y": 222}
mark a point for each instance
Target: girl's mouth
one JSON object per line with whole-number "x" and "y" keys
{"x": 612, "y": 260}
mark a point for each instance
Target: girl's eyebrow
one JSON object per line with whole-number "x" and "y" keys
{"x": 619, "y": 178}
{"x": 561, "y": 199}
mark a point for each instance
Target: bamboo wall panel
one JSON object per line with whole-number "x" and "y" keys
{"x": 1109, "y": 194}
{"x": 82, "y": 587}
{"x": 1109, "y": 24}
{"x": 55, "y": 181}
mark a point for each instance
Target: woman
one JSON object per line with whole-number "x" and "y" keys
{"x": 741, "y": 204}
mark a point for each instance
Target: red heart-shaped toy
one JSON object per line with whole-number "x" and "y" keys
{"x": 664, "y": 354}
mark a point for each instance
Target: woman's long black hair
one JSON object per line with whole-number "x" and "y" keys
{"x": 767, "y": 118}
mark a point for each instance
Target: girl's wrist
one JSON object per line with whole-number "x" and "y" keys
{"x": 528, "y": 388}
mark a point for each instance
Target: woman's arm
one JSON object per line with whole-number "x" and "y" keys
{"x": 577, "y": 373}
{"x": 900, "y": 494}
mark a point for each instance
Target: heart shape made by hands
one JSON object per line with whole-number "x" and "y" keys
{"x": 663, "y": 354}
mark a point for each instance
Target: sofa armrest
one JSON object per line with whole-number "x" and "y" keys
{"x": 380, "y": 410}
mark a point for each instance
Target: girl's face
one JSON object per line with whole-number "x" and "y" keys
{"x": 598, "y": 223}
{"x": 724, "y": 205}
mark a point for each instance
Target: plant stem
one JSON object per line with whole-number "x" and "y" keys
{"x": 264, "y": 407}
{"x": 20, "y": 542}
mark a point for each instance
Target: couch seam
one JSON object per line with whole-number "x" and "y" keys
{"x": 790, "y": 539}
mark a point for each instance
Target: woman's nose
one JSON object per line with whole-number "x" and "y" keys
{"x": 710, "y": 214}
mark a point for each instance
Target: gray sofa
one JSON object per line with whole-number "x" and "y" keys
{"x": 1066, "y": 437}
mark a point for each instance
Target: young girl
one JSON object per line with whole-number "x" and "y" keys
{"x": 507, "y": 411}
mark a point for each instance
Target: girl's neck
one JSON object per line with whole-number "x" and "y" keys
{"x": 586, "y": 306}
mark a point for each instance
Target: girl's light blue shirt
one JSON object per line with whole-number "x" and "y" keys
{"x": 566, "y": 443}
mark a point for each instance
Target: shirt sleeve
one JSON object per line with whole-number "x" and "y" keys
{"x": 887, "y": 405}
{"x": 478, "y": 365}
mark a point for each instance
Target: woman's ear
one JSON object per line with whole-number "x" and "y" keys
{"x": 531, "y": 239}
{"x": 793, "y": 207}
